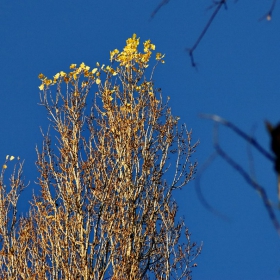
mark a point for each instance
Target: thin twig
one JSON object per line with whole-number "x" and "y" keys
{"x": 192, "y": 49}
{"x": 162, "y": 3}
{"x": 251, "y": 161}
{"x": 252, "y": 183}
{"x": 200, "y": 195}
{"x": 218, "y": 5}
{"x": 241, "y": 133}
{"x": 268, "y": 15}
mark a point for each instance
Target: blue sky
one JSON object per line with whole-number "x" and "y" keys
{"x": 237, "y": 78}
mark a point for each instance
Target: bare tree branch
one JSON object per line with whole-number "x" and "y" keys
{"x": 253, "y": 183}
{"x": 249, "y": 179}
{"x": 241, "y": 133}
{"x": 162, "y": 3}
{"x": 198, "y": 189}
{"x": 217, "y": 5}
{"x": 214, "y": 14}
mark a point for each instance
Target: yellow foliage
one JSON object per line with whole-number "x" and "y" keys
{"x": 128, "y": 59}
{"x": 113, "y": 53}
{"x": 56, "y": 76}
{"x": 41, "y": 76}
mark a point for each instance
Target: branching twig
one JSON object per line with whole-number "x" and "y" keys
{"x": 218, "y": 5}
{"x": 239, "y": 168}
{"x": 242, "y": 134}
{"x": 192, "y": 49}
{"x": 252, "y": 183}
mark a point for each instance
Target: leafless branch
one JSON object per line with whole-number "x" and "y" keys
{"x": 249, "y": 179}
{"x": 208, "y": 24}
{"x": 241, "y": 133}
{"x": 253, "y": 183}
{"x": 217, "y": 5}
{"x": 198, "y": 189}
{"x": 160, "y": 5}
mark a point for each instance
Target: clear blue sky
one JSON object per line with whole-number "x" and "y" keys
{"x": 237, "y": 78}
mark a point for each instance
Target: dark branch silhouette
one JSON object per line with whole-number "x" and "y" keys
{"x": 192, "y": 49}
{"x": 238, "y": 131}
{"x": 252, "y": 183}
{"x": 248, "y": 178}
{"x": 217, "y": 5}
{"x": 162, "y": 3}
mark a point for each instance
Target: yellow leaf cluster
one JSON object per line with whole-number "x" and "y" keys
{"x": 8, "y": 157}
{"x": 72, "y": 76}
{"x": 130, "y": 55}
{"x": 148, "y": 46}
{"x": 160, "y": 57}
{"x": 130, "y": 58}
{"x": 113, "y": 54}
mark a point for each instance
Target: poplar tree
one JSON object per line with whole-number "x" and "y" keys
{"x": 110, "y": 162}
